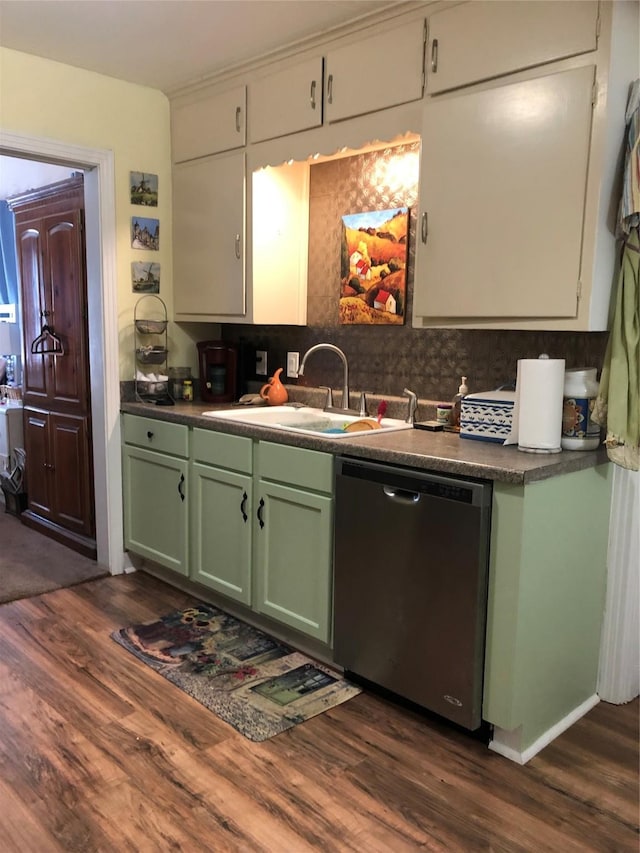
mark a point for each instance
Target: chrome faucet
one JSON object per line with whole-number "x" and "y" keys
{"x": 345, "y": 381}
{"x": 413, "y": 405}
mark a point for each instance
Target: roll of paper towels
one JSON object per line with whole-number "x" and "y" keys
{"x": 539, "y": 395}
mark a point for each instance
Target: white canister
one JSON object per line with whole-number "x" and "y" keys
{"x": 579, "y": 432}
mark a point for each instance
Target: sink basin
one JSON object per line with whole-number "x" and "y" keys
{"x": 307, "y": 420}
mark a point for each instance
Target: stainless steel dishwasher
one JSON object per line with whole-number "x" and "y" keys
{"x": 410, "y": 596}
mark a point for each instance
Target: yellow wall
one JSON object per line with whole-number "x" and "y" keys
{"x": 49, "y": 99}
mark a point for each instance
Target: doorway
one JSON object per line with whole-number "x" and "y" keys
{"x": 99, "y": 183}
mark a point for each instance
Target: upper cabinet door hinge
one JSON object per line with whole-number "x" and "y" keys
{"x": 425, "y": 33}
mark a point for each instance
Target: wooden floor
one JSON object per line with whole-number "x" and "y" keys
{"x": 100, "y": 753}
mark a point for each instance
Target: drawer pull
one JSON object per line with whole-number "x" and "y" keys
{"x": 149, "y": 435}
{"x": 260, "y": 513}
{"x": 243, "y": 507}
{"x": 181, "y": 487}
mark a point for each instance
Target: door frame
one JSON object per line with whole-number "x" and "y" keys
{"x": 102, "y": 288}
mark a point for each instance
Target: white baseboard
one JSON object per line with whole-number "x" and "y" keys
{"x": 504, "y": 741}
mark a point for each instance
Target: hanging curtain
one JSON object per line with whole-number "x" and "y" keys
{"x": 617, "y": 406}
{"x": 8, "y": 261}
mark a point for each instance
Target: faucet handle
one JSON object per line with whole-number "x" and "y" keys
{"x": 328, "y": 403}
{"x": 413, "y": 405}
{"x": 362, "y": 405}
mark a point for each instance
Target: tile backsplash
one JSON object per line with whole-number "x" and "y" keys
{"x": 385, "y": 359}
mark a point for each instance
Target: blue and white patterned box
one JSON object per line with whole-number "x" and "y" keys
{"x": 487, "y": 416}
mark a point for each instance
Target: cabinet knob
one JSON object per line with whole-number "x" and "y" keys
{"x": 149, "y": 435}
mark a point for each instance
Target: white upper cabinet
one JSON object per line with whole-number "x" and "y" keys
{"x": 483, "y": 39}
{"x": 203, "y": 124}
{"x": 502, "y": 191}
{"x": 374, "y": 72}
{"x": 286, "y": 101}
{"x": 208, "y": 237}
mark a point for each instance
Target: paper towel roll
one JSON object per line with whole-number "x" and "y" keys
{"x": 539, "y": 390}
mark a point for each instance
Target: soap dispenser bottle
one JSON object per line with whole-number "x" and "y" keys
{"x": 456, "y": 404}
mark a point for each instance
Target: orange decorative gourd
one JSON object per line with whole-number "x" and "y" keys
{"x": 274, "y": 391}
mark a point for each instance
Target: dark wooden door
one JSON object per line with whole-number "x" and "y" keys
{"x": 56, "y": 386}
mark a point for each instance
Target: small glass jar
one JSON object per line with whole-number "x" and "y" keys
{"x": 187, "y": 390}
{"x": 443, "y": 413}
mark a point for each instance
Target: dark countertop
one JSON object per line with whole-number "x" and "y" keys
{"x": 432, "y": 451}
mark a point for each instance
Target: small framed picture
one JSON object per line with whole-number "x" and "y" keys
{"x": 145, "y": 277}
{"x": 145, "y": 233}
{"x": 143, "y": 187}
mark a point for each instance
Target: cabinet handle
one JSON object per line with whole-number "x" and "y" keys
{"x": 238, "y": 246}
{"x": 149, "y": 435}
{"x": 260, "y": 513}
{"x": 181, "y": 487}
{"x": 243, "y": 507}
{"x": 238, "y": 113}
{"x": 434, "y": 56}
{"x": 312, "y": 96}
{"x": 424, "y": 227}
{"x": 330, "y": 89}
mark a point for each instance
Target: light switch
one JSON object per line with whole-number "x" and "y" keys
{"x": 293, "y": 363}
{"x": 261, "y": 362}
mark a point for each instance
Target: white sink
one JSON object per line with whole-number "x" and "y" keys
{"x": 307, "y": 420}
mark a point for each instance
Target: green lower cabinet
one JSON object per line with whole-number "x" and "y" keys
{"x": 293, "y": 558}
{"x": 156, "y": 507}
{"x": 262, "y": 527}
{"x": 221, "y": 524}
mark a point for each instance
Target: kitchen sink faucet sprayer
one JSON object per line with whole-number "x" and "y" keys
{"x": 413, "y": 405}
{"x": 345, "y": 381}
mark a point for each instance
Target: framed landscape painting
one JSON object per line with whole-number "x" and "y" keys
{"x": 143, "y": 187}
{"x": 373, "y": 267}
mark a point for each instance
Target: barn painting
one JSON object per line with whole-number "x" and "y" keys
{"x": 373, "y": 267}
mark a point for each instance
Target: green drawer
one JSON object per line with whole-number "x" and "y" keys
{"x": 224, "y": 451}
{"x": 161, "y": 436}
{"x": 309, "y": 469}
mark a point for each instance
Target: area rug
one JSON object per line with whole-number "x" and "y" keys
{"x": 250, "y": 680}
{"x": 32, "y": 564}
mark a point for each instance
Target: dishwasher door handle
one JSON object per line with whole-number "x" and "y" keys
{"x": 401, "y": 495}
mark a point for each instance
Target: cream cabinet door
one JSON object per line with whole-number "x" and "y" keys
{"x": 208, "y": 237}
{"x": 484, "y": 38}
{"x": 502, "y": 191}
{"x": 375, "y": 72}
{"x": 203, "y": 125}
{"x": 286, "y": 101}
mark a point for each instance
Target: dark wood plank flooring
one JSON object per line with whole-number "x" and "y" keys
{"x": 99, "y": 753}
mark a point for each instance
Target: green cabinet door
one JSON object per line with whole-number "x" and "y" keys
{"x": 293, "y": 558}
{"x": 221, "y": 531}
{"x": 155, "y": 506}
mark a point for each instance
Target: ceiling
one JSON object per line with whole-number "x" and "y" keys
{"x": 166, "y": 44}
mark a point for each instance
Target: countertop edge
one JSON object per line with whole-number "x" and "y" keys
{"x": 441, "y": 452}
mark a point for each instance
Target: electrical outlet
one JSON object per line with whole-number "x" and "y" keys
{"x": 293, "y": 363}
{"x": 261, "y": 362}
